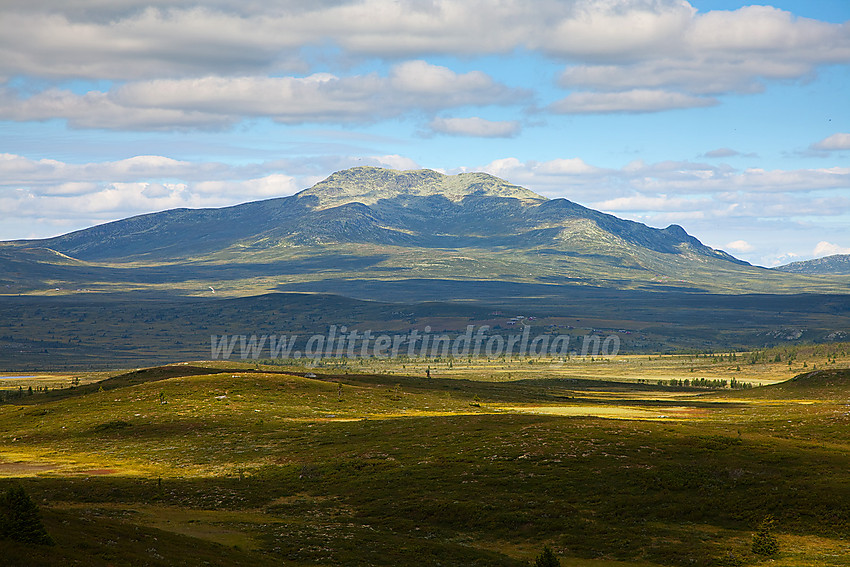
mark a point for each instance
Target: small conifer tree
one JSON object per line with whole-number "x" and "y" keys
{"x": 19, "y": 518}
{"x": 547, "y": 559}
{"x": 764, "y": 542}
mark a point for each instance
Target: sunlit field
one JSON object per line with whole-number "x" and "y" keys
{"x": 609, "y": 462}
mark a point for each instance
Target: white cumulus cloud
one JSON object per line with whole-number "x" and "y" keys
{"x": 740, "y": 246}
{"x": 216, "y": 101}
{"x": 713, "y": 53}
{"x": 836, "y": 142}
{"x": 824, "y": 248}
{"x": 646, "y": 55}
{"x": 633, "y": 101}
{"x": 722, "y": 153}
{"x": 476, "y": 127}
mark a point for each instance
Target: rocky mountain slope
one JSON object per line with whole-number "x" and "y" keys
{"x": 837, "y": 264}
{"x": 366, "y": 226}
{"x": 370, "y": 205}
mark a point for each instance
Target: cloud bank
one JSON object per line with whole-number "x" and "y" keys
{"x": 174, "y": 64}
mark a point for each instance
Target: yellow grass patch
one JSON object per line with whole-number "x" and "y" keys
{"x": 609, "y": 412}
{"x": 810, "y": 551}
{"x": 209, "y": 525}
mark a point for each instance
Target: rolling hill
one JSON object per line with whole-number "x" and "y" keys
{"x": 837, "y": 264}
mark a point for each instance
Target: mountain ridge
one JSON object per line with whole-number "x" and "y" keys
{"x": 371, "y": 205}
{"x": 414, "y": 226}
{"x": 836, "y": 264}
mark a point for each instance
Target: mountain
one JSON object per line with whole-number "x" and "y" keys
{"x": 365, "y": 228}
{"x": 369, "y": 205}
{"x": 371, "y": 185}
{"x": 837, "y": 264}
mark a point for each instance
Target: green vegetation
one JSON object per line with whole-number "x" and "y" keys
{"x": 764, "y": 542}
{"x": 95, "y": 332}
{"x": 829, "y": 265}
{"x": 19, "y": 518}
{"x": 547, "y": 559}
{"x": 264, "y": 465}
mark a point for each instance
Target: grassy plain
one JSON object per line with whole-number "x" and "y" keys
{"x": 370, "y": 462}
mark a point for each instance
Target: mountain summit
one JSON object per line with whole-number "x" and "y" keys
{"x": 371, "y": 185}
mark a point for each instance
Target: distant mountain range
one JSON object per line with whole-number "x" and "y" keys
{"x": 365, "y": 228}
{"x": 837, "y": 264}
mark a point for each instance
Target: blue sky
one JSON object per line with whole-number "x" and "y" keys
{"x": 732, "y": 120}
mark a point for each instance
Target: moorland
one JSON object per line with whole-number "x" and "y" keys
{"x": 610, "y": 462}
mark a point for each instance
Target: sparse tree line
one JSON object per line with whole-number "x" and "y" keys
{"x": 789, "y": 354}
{"x": 20, "y": 393}
{"x": 716, "y": 384}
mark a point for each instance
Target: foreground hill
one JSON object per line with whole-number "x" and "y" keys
{"x": 259, "y": 465}
{"x": 827, "y": 384}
